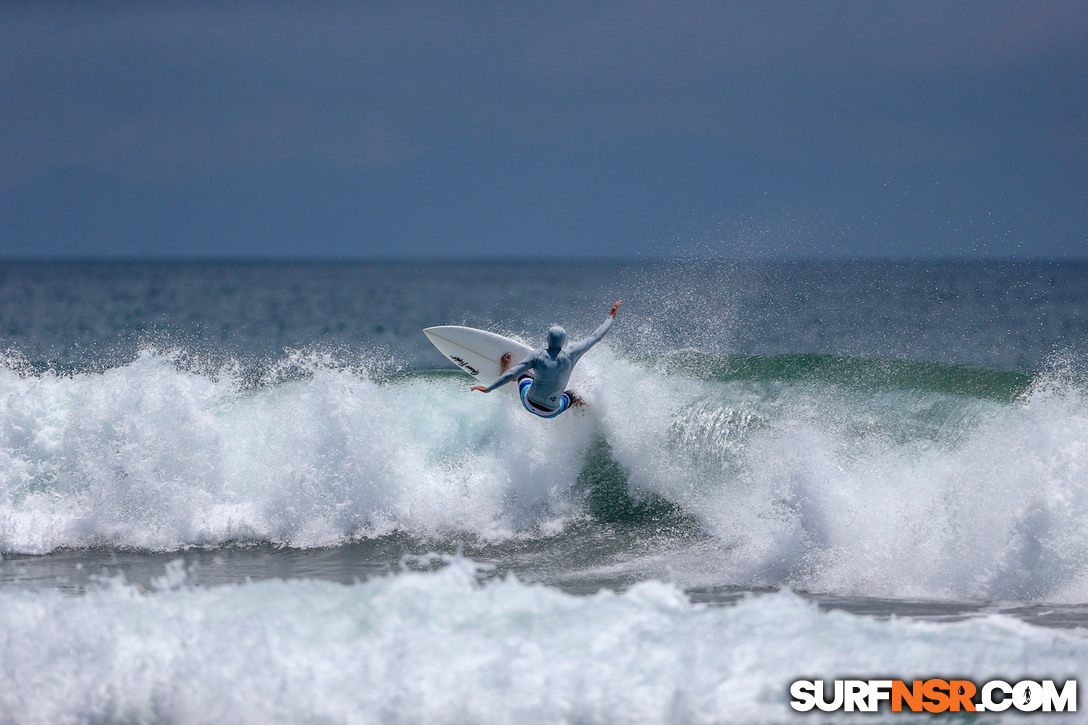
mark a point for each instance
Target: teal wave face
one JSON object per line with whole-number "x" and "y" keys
{"x": 859, "y": 373}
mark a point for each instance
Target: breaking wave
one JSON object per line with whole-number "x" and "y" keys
{"x": 830, "y": 474}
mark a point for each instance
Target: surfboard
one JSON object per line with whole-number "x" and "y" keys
{"x": 477, "y": 352}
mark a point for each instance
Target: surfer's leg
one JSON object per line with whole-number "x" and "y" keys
{"x": 573, "y": 399}
{"x": 504, "y": 363}
{"x": 524, "y": 383}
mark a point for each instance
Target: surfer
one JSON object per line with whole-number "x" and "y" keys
{"x": 542, "y": 376}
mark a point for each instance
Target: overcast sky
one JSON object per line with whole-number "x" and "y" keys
{"x": 544, "y": 129}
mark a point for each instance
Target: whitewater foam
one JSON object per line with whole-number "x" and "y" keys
{"x": 443, "y": 647}
{"x": 151, "y": 456}
{"x": 890, "y": 492}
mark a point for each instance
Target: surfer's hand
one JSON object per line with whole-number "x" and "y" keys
{"x": 614, "y": 308}
{"x": 481, "y": 388}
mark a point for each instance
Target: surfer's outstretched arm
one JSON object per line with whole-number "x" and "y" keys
{"x": 509, "y": 375}
{"x": 576, "y": 349}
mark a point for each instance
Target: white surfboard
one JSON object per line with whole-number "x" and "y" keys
{"x": 477, "y": 352}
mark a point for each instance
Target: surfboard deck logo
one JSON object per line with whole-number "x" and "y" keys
{"x": 465, "y": 366}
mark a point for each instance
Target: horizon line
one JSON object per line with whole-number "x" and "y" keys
{"x": 499, "y": 260}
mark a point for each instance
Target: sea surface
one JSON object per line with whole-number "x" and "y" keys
{"x": 254, "y": 493}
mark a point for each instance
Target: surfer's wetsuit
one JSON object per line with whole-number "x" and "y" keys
{"x": 544, "y": 373}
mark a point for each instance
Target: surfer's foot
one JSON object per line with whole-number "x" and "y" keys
{"x": 577, "y": 403}
{"x": 504, "y": 363}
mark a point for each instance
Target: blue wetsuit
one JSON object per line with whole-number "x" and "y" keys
{"x": 547, "y": 371}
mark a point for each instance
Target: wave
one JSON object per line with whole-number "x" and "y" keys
{"x": 870, "y": 477}
{"x": 897, "y": 479}
{"x": 442, "y": 646}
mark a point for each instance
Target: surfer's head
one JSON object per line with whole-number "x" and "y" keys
{"x": 557, "y": 337}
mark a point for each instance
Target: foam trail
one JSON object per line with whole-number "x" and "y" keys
{"x": 439, "y": 647}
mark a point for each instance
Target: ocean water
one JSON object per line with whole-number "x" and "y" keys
{"x": 255, "y": 493}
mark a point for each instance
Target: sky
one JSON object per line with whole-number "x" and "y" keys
{"x": 544, "y": 129}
